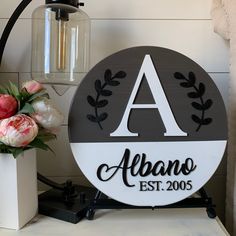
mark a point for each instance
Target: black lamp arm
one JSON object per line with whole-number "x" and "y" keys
{"x": 50, "y": 183}
{"x": 11, "y": 22}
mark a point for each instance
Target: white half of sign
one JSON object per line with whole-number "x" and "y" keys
{"x": 149, "y": 173}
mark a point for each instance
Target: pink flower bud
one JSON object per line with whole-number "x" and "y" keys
{"x": 46, "y": 114}
{"x": 32, "y": 86}
{"x": 18, "y": 130}
{"x": 8, "y": 106}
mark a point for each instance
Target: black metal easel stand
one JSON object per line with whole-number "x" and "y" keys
{"x": 72, "y": 203}
{"x": 103, "y": 202}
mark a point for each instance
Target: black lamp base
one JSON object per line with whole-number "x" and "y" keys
{"x": 52, "y": 203}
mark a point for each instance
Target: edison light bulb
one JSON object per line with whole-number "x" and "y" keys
{"x": 61, "y": 56}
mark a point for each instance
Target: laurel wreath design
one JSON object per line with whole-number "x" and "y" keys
{"x": 102, "y": 91}
{"x": 198, "y": 93}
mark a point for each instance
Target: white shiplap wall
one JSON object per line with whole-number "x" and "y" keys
{"x": 181, "y": 25}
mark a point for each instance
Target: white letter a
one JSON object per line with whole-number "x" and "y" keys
{"x": 161, "y": 103}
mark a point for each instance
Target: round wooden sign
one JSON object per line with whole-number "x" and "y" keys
{"x": 148, "y": 126}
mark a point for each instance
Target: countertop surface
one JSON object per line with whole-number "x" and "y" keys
{"x": 163, "y": 222}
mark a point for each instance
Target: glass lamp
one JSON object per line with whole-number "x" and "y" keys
{"x": 60, "y": 43}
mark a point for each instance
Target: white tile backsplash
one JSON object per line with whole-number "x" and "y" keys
{"x": 6, "y": 77}
{"x": 196, "y": 40}
{"x": 132, "y": 9}
{"x": 17, "y": 54}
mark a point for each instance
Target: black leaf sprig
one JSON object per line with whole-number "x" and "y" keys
{"x": 102, "y": 91}
{"x": 199, "y": 91}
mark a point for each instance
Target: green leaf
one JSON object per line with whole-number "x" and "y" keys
{"x": 3, "y": 91}
{"x": 13, "y": 90}
{"x": 45, "y": 137}
{"x": 4, "y": 148}
{"x": 42, "y": 93}
{"x": 38, "y": 143}
{"x": 16, "y": 151}
{"x": 27, "y": 109}
{"x": 24, "y": 95}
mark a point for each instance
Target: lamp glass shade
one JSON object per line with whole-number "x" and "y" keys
{"x": 60, "y": 44}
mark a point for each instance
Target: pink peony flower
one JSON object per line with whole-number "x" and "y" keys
{"x": 18, "y": 130}
{"x": 32, "y": 86}
{"x": 46, "y": 114}
{"x": 8, "y": 106}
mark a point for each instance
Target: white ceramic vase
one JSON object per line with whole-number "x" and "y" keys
{"x": 18, "y": 189}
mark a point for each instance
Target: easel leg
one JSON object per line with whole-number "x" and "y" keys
{"x": 91, "y": 210}
{"x": 210, "y": 208}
